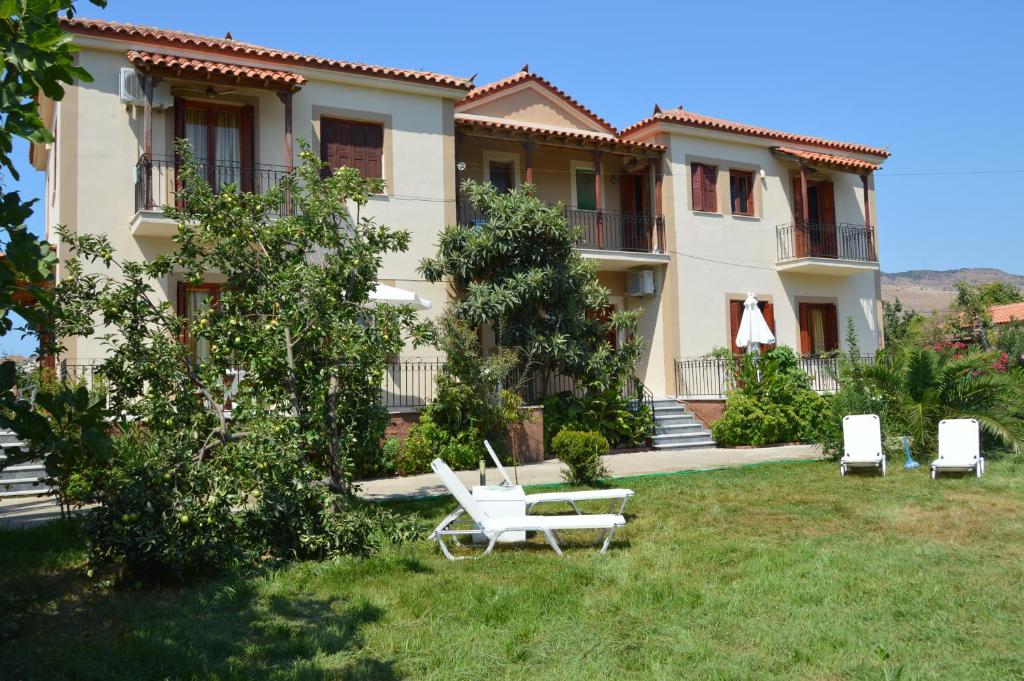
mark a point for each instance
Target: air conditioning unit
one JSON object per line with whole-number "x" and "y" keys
{"x": 640, "y": 283}
{"x": 131, "y": 87}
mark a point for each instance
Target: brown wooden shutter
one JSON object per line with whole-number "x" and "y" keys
{"x": 735, "y": 316}
{"x": 697, "y": 185}
{"x": 831, "y": 320}
{"x": 768, "y": 310}
{"x": 374, "y": 151}
{"x": 805, "y": 329}
{"x": 710, "y": 177}
{"x": 798, "y": 201}
{"x": 827, "y": 201}
{"x": 181, "y": 306}
{"x": 247, "y": 183}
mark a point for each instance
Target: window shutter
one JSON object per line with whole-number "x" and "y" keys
{"x": 768, "y": 310}
{"x": 181, "y": 307}
{"x": 710, "y": 177}
{"x": 805, "y": 329}
{"x": 831, "y": 319}
{"x": 735, "y": 316}
{"x": 697, "y": 185}
{"x": 798, "y": 202}
{"x": 374, "y": 151}
{"x": 827, "y": 198}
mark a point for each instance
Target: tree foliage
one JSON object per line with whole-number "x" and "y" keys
{"x": 520, "y": 273}
{"x": 38, "y": 58}
{"x": 900, "y": 326}
{"x": 289, "y": 393}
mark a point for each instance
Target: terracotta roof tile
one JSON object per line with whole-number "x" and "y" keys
{"x": 526, "y": 76}
{"x": 581, "y": 136}
{"x": 1002, "y": 314}
{"x": 681, "y": 117}
{"x": 167, "y": 62}
{"x": 227, "y": 46}
{"x": 843, "y": 162}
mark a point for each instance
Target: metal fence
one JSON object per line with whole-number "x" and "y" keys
{"x": 410, "y": 383}
{"x": 713, "y": 378}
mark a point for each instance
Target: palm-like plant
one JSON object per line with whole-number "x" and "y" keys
{"x": 920, "y": 387}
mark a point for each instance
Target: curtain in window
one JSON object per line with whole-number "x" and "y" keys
{"x": 228, "y": 148}
{"x": 196, "y": 132}
{"x": 817, "y": 330}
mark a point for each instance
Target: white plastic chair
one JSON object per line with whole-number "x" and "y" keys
{"x": 959, "y": 447}
{"x": 613, "y": 496}
{"x": 862, "y": 443}
{"x": 493, "y": 528}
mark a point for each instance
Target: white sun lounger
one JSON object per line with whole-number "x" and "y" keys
{"x": 493, "y": 528}
{"x": 615, "y": 497}
{"x": 959, "y": 447}
{"x": 862, "y": 443}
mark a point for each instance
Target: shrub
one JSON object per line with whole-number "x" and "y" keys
{"x": 752, "y": 421}
{"x": 604, "y": 411}
{"x": 428, "y": 441}
{"x": 581, "y": 452}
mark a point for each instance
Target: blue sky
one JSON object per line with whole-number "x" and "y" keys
{"x": 939, "y": 82}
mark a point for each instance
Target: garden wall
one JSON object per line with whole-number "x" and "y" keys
{"x": 525, "y": 439}
{"x": 706, "y": 411}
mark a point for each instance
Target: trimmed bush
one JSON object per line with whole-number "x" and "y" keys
{"x": 428, "y": 441}
{"x": 581, "y": 452}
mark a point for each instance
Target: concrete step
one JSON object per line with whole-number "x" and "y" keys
{"x": 34, "y": 492}
{"x": 678, "y": 428}
{"x": 22, "y": 470}
{"x": 675, "y": 439}
{"x": 676, "y": 419}
{"x": 695, "y": 444}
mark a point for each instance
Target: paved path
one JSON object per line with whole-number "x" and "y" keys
{"x": 621, "y": 466}
{"x": 28, "y": 511}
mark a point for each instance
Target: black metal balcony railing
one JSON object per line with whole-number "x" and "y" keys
{"x": 840, "y": 241}
{"x": 608, "y": 230}
{"x": 157, "y": 180}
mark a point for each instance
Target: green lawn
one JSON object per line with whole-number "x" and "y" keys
{"x": 776, "y": 571}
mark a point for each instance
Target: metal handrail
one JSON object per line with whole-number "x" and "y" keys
{"x": 837, "y": 241}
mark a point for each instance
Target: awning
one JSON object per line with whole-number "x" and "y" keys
{"x": 847, "y": 163}
{"x": 215, "y": 71}
{"x": 392, "y": 295}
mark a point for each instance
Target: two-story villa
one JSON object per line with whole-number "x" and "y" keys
{"x": 683, "y": 214}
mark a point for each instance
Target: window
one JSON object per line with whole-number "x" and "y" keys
{"x": 352, "y": 144}
{"x": 221, "y": 137}
{"x": 736, "y": 314}
{"x": 741, "y": 192}
{"x": 702, "y": 182}
{"x": 193, "y": 300}
{"x": 819, "y": 328}
{"x": 586, "y": 193}
{"x": 502, "y": 174}
{"x": 603, "y": 316}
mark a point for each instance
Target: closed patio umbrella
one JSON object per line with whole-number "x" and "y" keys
{"x": 392, "y": 295}
{"x": 753, "y": 331}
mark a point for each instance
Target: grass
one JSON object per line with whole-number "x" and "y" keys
{"x": 781, "y": 571}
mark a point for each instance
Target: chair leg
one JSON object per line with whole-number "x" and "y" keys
{"x": 622, "y": 508}
{"x": 575, "y": 507}
{"x": 551, "y": 540}
{"x": 883, "y": 468}
{"x": 607, "y": 540}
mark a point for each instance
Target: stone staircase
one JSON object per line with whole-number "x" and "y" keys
{"x": 23, "y": 479}
{"x": 675, "y": 427}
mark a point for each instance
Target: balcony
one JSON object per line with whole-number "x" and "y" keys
{"x": 816, "y": 248}
{"x": 608, "y": 235}
{"x": 156, "y": 185}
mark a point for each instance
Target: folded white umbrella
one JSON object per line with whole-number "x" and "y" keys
{"x": 753, "y": 329}
{"x": 392, "y": 295}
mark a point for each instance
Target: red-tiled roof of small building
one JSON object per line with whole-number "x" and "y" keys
{"x": 682, "y": 117}
{"x": 525, "y": 76}
{"x": 228, "y": 46}
{"x": 841, "y": 162}
{"x": 577, "y": 135}
{"x": 1003, "y": 314}
{"x": 152, "y": 61}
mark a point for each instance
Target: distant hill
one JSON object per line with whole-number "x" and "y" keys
{"x": 930, "y": 290}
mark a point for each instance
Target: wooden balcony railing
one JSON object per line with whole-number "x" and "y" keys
{"x": 608, "y": 230}
{"x": 840, "y": 241}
